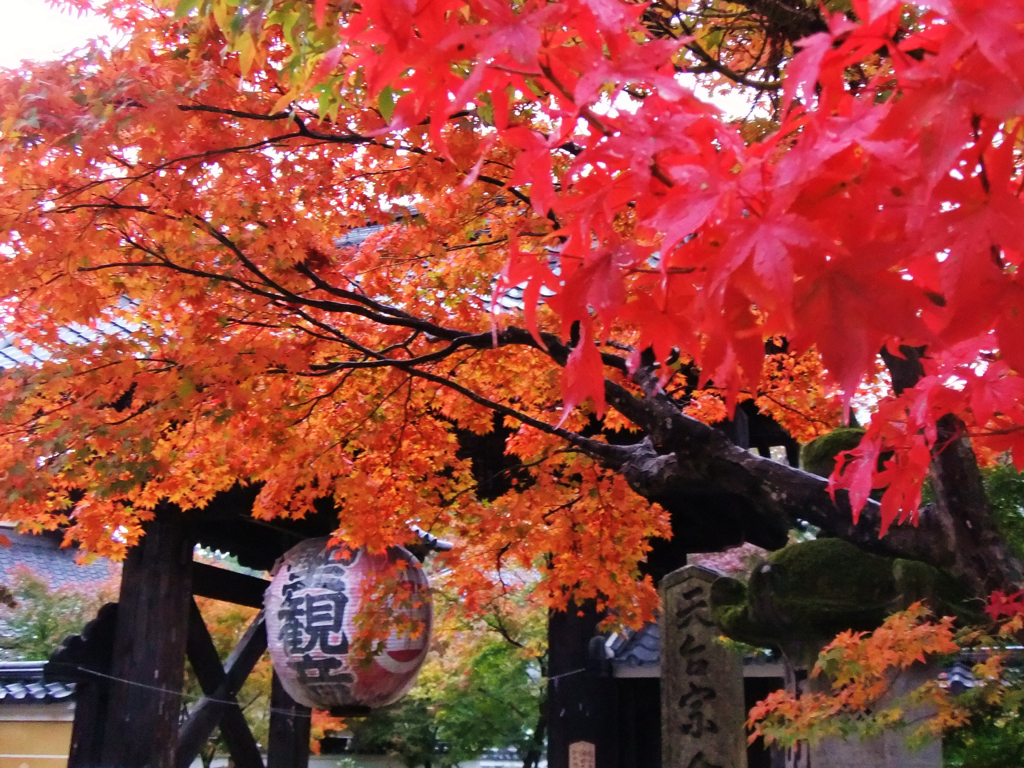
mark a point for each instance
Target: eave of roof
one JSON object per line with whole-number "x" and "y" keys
{"x": 21, "y": 682}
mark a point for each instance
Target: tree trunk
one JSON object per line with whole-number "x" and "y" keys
{"x": 973, "y": 547}
{"x": 536, "y": 749}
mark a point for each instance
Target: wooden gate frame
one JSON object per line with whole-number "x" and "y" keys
{"x": 129, "y": 664}
{"x": 220, "y": 685}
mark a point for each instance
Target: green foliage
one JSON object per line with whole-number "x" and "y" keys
{"x": 43, "y": 616}
{"x": 481, "y": 688}
{"x": 406, "y": 730}
{"x": 994, "y": 740}
{"x": 495, "y": 704}
{"x": 1004, "y": 486}
{"x": 994, "y": 737}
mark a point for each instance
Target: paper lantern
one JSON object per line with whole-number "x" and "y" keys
{"x": 310, "y": 610}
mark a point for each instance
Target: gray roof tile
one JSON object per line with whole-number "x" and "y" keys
{"x": 640, "y": 649}
{"x": 44, "y": 556}
{"x": 22, "y": 683}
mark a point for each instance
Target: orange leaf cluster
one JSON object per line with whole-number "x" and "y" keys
{"x": 546, "y": 202}
{"x": 859, "y": 670}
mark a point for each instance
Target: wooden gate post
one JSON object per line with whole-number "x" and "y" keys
{"x": 149, "y": 646}
{"x": 582, "y": 706}
{"x": 289, "y": 730}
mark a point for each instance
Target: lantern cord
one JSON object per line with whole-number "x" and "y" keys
{"x": 234, "y": 702}
{"x": 566, "y": 674}
{"x": 188, "y": 699}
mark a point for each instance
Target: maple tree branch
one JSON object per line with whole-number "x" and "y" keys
{"x": 383, "y": 362}
{"x": 713, "y": 64}
{"x": 130, "y": 180}
{"x": 332, "y": 138}
{"x": 282, "y": 294}
{"x": 350, "y": 138}
{"x": 791, "y": 409}
{"x": 368, "y": 416}
{"x": 103, "y": 206}
{"x": 521, "y": 196}
{"x": 501, "y": 629}
{"x": 594, "y": 448}
{"x": 591, "y": 447}
{"x": 697, "y": 462}
{"x": 269, "y": 142}
{"x": 585, "y": 112}
{"x": 233, "y": 112}
{"x": 315, "y": 401}
{"x": 481, "y": 244}
{"x": 710, "y": 62}
{"x": 675, "y": 456}
{"x": 383, "y": 314}
{"x": 360, "y": 298}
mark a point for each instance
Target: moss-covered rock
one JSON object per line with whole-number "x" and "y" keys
{"x": 819, "y": 455}
{"x": 809, "y": 592}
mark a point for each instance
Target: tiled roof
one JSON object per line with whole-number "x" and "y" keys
{"x": 13, "y": 354}
{"x": 44, "y": 556}
{"x": 22, "y": 682}
{"x": 639, "y": 649}
{"x": 357, "y": 235}
{"x": 959, "y": 675}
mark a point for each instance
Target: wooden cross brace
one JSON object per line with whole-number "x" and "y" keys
{"x": 220, "y": 684}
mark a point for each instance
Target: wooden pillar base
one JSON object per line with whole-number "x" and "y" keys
{"x": 289, "y": 730}
{"x": 141, "y": 726}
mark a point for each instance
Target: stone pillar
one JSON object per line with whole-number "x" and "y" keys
{"x": 702, "y": 709}
{"x": 889, "y": 749}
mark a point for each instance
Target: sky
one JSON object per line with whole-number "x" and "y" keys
{"x": 31, "y": 29}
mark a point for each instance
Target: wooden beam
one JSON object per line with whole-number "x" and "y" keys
{"x": 220, "y": 685}
{"x": 148, "y": 663}
{"x": 229, "y": 586}
{"x": 289, "y": 730}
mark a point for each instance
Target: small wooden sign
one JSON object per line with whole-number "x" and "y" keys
{"x": 582, "y": 755}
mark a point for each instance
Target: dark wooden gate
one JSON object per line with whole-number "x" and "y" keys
{"x": 129, "y": 663}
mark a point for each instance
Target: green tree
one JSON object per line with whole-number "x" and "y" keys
{"x": 1004, "y": 486}
{"x": 43, "y": 616}
{"x": 481, "y": 688}
{"x": 406, "y": 730}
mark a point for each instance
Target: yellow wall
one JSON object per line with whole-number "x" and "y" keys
{"x": 37, "y": 744}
